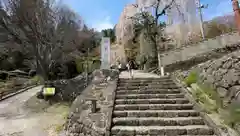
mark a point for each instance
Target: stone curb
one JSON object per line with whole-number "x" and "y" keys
{"x": 198, "y": 107}
{"x": 109, "y": 124}
{"x": 18, "y": 92}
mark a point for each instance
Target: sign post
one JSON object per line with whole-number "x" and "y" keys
{"x": 105, "y": 53}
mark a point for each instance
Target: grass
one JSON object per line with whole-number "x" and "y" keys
{"x": 212, "y": 103}
{"x": 191, "y": 78}
{"x": 212, "y": 94}
{"x": 59, "y": 113}
{"x": 209, "y": 105}
{"x": 231, "y": 115}
{"x": 59, "y": 128}
{"x": 204, "y": 93}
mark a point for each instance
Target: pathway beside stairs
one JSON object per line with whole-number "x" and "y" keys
{"x": 152, "y": 106}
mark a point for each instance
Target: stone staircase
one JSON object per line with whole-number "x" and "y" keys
{"x": 154, "y": 107}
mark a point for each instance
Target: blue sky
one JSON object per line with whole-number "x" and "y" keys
{"x": 102, "y": 14}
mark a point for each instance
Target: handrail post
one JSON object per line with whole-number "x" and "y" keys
{"x": 94, "y": 106}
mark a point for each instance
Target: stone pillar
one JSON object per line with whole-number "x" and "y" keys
{"x": 237, "y": 13}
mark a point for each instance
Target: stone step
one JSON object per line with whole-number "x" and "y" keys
{"x": 145, "y": 79}
{"x": 148, "y": 96}
{"x": 152, "y": 101}
{"x": 154, "y": 107}
{"x": 159, "y": 91}
{"x": 158, "y": 121}
{"x": 148, "y": 87}
{"x": 161, "y": 130}
{"x": 161, "y": 135}
{"x": 145, "y": 84}
{"x": 156, "y": 113}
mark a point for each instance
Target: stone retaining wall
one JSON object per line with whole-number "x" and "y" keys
{"x": 223, "y": 74}
{"x": 67, "y": 89}
{"x": 185, "y": 53}
{"x": 214, "y": 54}
{"x": 81, "y": 121}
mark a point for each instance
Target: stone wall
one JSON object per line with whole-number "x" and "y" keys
{"x": 66, "y": 89}
{"x": 223, "y": 74}
{"x": 81, "y": 121}
{"x": 213, "y": 54}
{"x": 185, "y": 53}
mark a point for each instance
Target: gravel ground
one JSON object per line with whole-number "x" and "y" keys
{"x": 24, "y": 115}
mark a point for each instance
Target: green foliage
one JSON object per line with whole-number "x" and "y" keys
{"x": 37, "y": 80}
{"x": 208, "y": 98}
{"x": 212, "y": 94}
{"x": 92, "y": 64}
{"x": 96, "y": 64}
{"x": 191, "y": 78}
{"x": 232, "y": 114}
{"x": 109, "y": 33}
{"x": 80, "y": 65}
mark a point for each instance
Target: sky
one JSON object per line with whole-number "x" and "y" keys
{"x": 103, "y": 14}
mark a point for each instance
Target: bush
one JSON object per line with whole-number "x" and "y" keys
{"x": 212, "y": 94}
{"x": 37, "y": 80}
{"x": 92, "y": 63}
{"x": 232, "y": 115}
{"x": 191, "y": 78}
{"x": 79, "y": 65}
{"x": 209, "y": 104}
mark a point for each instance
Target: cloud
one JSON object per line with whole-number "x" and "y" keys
{"x": 105, "y": 23}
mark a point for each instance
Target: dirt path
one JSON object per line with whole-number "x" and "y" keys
{"x": 17, "y": 119}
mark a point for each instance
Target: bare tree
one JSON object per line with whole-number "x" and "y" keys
{"x": 50, "y": 32}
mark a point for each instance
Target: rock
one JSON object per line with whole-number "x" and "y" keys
{"x": 236, "y": 66}
{"x": 231, "y": 77}
{"x": 227, "y": 64}
{"x": 223, "y": 74}
{"x": 222, "y": 92}
{"x": 210, "y": 79}
{"x": 216, "y": 65}
{"x": 219, "y": 74}
{"x": 124, "y": 28}
{"x": 233, "y": 92}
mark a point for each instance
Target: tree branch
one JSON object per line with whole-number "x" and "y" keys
{"x": 164, "y": 9}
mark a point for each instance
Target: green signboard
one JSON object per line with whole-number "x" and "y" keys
{"x": 48, "y": 91}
